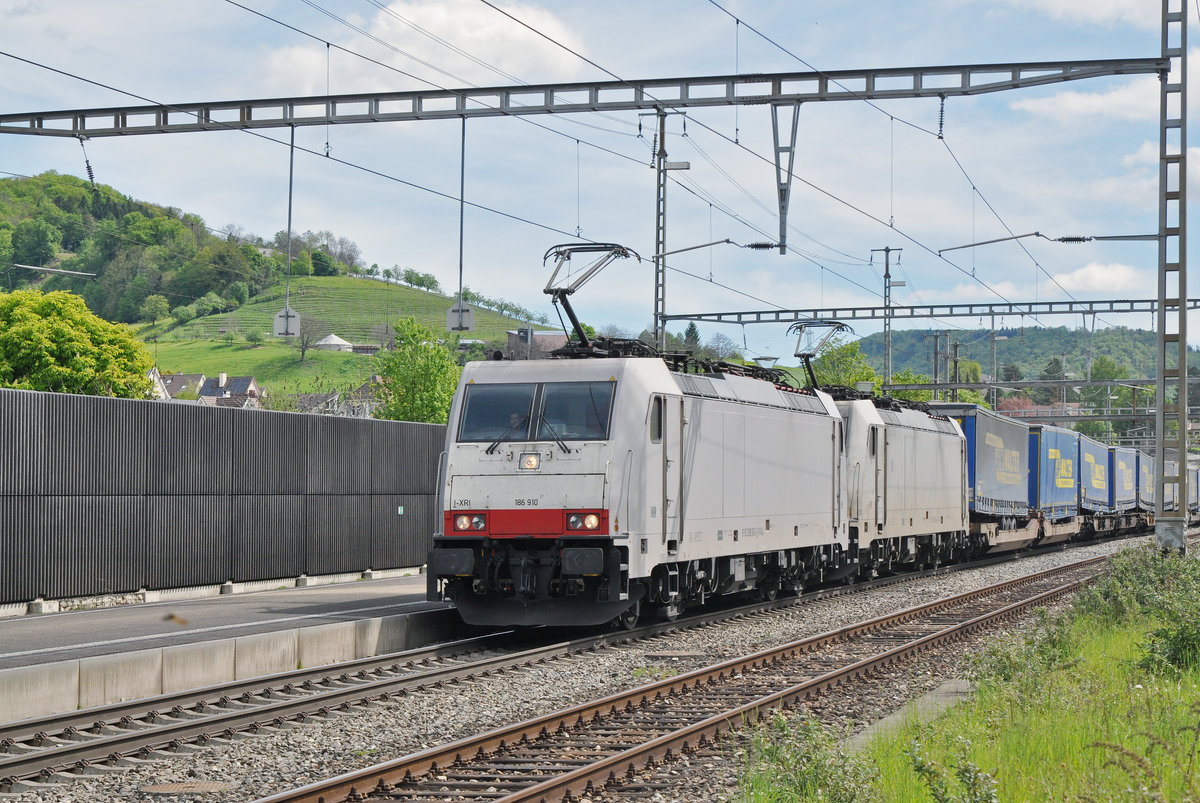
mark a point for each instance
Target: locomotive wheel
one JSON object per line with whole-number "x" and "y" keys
{"x": 628, "y": 618}
{"x": 768, "y": 591}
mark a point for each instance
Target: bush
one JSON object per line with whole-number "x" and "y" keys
{"x": 799, "y": 759}
{"x": 183, "y": 314}
{"x": 209, "y": 304}
{"x": 1163, "y": 587}
{"x": 254, "y": 337}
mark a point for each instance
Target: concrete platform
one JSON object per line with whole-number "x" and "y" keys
{"x": 52, "y": 663}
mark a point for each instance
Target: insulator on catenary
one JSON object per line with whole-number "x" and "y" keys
{"x": 761, "y": 246}
{"x": 1074, "y": 239}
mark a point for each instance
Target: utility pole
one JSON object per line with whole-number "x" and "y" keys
{"x": 936, "y": 356}
{"x": 995, "y": 368}
{"x": 955, "y": 358}
{"x": 888, "y": 284}
{"x": 660, "y": 229}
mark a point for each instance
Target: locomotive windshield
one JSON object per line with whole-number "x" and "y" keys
{"x": 543, "y": 411}
{"x": 574, "y": 411}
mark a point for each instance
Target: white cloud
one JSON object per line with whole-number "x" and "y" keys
{"x": 1147, "y": 154}
{"x": 1111, "y": 13}
{"x": 1135, "y": 101}
{"x": 1111, "y": 280}
{"x": 496, "y": 49}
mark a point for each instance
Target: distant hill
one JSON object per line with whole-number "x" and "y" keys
{"x": 1029, "y": 348}
{"x": 353, "y": 308}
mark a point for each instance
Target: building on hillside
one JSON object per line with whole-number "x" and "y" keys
{"x": 333, "y": 343}
{"x": 231, "y": 391}
{"x": 183, "y": 387}
{"x": 158, "y": 388}
{"x": 357, "y": 403}
{"x": 521, "y": 346}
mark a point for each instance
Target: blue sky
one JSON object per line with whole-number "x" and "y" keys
{"x": 1074, "y": 158}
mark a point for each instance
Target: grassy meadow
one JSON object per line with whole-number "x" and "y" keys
{"x": 275, "y": 365}
{"x": 354, "y": 309}
{"x": 1101, "y": 703}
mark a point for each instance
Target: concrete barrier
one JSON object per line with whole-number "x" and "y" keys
{"x": 55, "y": 688}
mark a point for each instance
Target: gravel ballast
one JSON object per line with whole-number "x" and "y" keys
{"x": 254, "y": 767}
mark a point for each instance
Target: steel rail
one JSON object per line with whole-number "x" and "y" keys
{"x": 48, "y": 746}
{"x": 383, "y": 778}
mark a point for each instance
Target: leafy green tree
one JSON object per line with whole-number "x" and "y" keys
{"x": 843, "y": 364}
{"x": 417, "y": 378}
{"x": 183, "y": 313}
{"x": 35, "y": 242}
{"x": 1052, "y": 370}
{"x": 323, "y": 264}
{"x": 52, "y": 342}
{"x": 239, "y": 292}
{"x": 154, "y": 308}
{"x": 969, "y": 371}
{"x": 6, "y": 248}
{"x": 909, "y": 377}
{"x": 210, "y": 304}
{"x": 691, "y": 337}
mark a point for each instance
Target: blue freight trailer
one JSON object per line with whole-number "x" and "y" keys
{"x": 1093, "y": 476}
{"x": 1122, "y": 471}
{"x": 1053, "y": 476}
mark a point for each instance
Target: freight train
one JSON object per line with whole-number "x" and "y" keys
{"x": 584, "y": 491}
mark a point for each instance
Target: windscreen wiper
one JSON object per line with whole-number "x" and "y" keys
{"x": 554, "y": 433}
{"x": 508, "y": 433}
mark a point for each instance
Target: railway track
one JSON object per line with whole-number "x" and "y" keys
{"x": 58, "y": 748}
{"x": 603, "y": 744}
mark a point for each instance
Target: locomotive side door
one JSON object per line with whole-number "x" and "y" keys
{"x": 877, "y": 452}
{"x": 672, "y": 471}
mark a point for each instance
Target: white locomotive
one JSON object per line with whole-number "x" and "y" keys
{"x": 579, "y": 491}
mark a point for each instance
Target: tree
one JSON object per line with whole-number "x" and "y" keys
{"x": 722, "y": 347}
{"x": 908, "y": 377}
{"x": 417, "y": 378}
{"x": 843, "y": 364}
{"x": 239, "y": 292}
{"x": 323, "y": 264}
{"x": 52, "y": 342}
{"x": 35, "y": 242}
{"x": 1011, "y": 372}
{"x": 155, "y": 307}
{"x": 1052, "y": 370}
{"x": 311, "y": 330}
{"x": 691, "y": 337}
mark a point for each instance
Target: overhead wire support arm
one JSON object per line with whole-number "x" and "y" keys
{"x": 602, "y": 96}
{"x": 925, "y": 311}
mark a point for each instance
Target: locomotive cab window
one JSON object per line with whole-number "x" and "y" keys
{"x": 574, "y": 411}
{"x": 497, "y": 412}
{"x": 656, "y": 416}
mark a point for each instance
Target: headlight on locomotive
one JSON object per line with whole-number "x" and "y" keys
{"x": 464, "y": 522}
{"x": 583, "y": 521}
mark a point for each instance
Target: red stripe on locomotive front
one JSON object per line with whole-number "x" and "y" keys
{"x": 535, "y": 522}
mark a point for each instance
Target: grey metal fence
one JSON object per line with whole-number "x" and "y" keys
{"x": 109, "y": 495}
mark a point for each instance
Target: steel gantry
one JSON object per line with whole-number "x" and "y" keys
{"x": 1171, "y": 389}
{"x": 784, "y": 92}
{"x": 927, "y": 311}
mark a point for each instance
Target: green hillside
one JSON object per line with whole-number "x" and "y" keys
{"x": 274, "y": 364}
{"x": 1029, "y": 348}
{"x": 352, "y": 307}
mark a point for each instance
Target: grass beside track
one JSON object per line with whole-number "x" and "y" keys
{"x": 1100, "y": 703}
